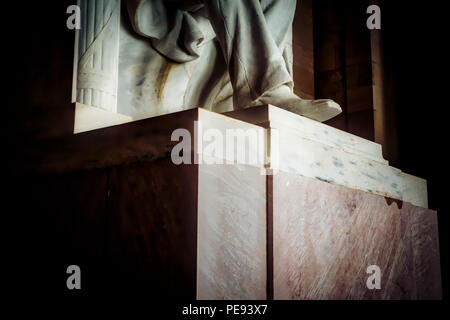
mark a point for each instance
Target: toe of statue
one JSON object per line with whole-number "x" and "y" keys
{"x": 323, "y": 110}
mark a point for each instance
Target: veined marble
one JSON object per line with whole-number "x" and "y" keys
{"x": 273, "y": 117}
{"x": 231, "y": 246}
{"x": 316, "y": 150}
{"x": 326, "y": 236}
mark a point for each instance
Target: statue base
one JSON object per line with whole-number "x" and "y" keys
{"x": 308, "y": 228}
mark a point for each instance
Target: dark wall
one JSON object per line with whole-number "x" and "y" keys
{"x": 37, "y": 85}
{"x": 303, "y": 50}
{"x": 415, "y": 34}
{"x": 343, "y": 63}
{"x": 39, "y": 81}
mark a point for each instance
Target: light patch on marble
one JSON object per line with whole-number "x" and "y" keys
{"x": 90, "y": 118}
{"x": 325, "y": 237}
{"x": 231, "y": 253}
{"x": 242, "y": 142}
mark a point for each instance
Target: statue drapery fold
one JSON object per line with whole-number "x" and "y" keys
{"x": 171, "y": 28}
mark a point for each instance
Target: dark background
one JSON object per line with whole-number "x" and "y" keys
{"x": 38, "y": 80}
{"x": 415, "y": 33}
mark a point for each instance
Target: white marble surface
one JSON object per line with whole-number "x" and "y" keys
{"x": 318, "y": 151}
{"x": 242, "y": 142}
{"x": 315, "y": 150}
{"x": 231, "y": 246}
{"x": 89, "y": 118}
{"x": 151, "y": 85}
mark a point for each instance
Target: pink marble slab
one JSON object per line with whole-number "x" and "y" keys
{"x": 325, "y": 237}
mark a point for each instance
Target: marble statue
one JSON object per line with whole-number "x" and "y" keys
{"x": 163, "y": 56}
{"x": 97, "y": 48}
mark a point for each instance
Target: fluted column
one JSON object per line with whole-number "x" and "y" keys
{"x": 97, "y": 54}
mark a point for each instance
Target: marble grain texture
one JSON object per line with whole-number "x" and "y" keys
{"x": 325, "y": 236}
{"x": 312, "y": 149}
{"x": 231, "y": 252}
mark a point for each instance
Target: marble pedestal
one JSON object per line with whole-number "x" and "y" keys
{"x": 302, "y": 222}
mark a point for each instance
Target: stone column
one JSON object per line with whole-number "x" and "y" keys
{"x": 97, "y": 53}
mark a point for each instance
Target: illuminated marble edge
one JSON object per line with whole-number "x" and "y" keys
{"x": 316, "y": 150}
{"x": 336, "y": 159}
{"x": 89, "y": 118}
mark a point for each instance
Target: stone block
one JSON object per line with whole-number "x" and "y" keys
{"x": 304, "y": 220}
